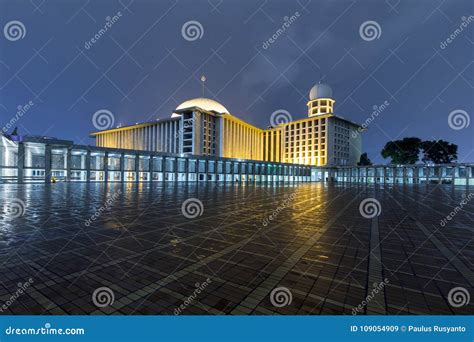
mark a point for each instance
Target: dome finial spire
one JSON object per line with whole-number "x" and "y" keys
{"x": 203, "y": 79}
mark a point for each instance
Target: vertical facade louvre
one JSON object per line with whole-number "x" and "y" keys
{"x": 161, "y": 137}
{"x": 166, "y": 141}
{"x": 147, "y": 138}
{"x": 152, "y": 137}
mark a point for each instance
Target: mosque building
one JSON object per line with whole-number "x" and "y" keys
{"x": 202, "y": 126}
{"x": 202, "y": 141}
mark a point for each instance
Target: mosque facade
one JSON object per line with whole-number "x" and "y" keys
{"x": 204, "y": 127}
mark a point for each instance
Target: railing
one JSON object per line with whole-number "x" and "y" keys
{"x": 455, "y": 174}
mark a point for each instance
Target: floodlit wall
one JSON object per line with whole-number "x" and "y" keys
{"x": 161, "y": 136}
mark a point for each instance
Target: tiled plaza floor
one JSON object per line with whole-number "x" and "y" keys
{"x": 302, "y": 249}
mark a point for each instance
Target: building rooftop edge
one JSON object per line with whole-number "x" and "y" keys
{"x": 231, "y": 116}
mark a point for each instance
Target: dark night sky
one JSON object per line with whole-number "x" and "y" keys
{"x": 142, "y": 67}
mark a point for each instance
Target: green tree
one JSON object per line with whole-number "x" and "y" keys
{"x": 364, "y": 160}
{"x": 439, "y": 152}
{"x": 403, "y": 151}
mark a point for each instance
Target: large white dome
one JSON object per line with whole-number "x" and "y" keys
{"x": 204, "y": 103}
{"x": 320, "y": 91}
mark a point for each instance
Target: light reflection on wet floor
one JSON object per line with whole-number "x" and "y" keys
{"x": 247, "y": 239}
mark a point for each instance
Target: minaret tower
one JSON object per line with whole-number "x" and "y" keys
{"x": 320, "y": 100}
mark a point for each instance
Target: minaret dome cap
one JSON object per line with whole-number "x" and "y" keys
{"x": 320, "y": 91}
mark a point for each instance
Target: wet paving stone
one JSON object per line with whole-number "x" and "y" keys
{"x": 258, "y": 249}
